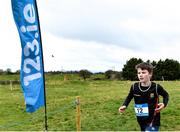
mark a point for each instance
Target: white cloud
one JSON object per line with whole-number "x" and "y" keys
{"x": 10, "y": 51}
{"x": 111, "y": 21}
{"x": 77, "y": 54}
{"x": 97, "y": 35}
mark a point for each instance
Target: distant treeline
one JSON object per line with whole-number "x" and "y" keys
{"x": 167, "y": 69}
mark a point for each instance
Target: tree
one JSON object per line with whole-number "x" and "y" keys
{"x": 108, "y": 74}
{"x": 113, "y": 75}
{"x": 8, "y": 71}
{"x": 17, "y": 72}
{"x": 167, "y": 70}
{"x": 1, "y": 71}
{"x": 170, "y": 69}
{"x": 154, "y": 63}
{"x": 85, "y": 74}
{"x": 129, "y": 72}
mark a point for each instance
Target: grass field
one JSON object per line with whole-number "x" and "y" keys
{"x": 100, "y": 101}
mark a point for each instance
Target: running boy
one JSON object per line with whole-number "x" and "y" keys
{"x": 146, "y": 99}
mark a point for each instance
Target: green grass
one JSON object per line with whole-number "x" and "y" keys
{"x": 100, "y": 101}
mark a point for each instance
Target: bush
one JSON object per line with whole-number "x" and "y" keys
{"x": 85, "y": 74}
{"x": 113, "y": 75}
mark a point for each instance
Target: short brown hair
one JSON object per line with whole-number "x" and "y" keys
{"x": 145, "y": 66}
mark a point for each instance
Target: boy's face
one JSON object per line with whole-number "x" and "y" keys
{"x": 143, "y": 75}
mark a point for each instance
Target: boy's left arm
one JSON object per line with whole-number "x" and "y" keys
{"x": 161, "y": 91}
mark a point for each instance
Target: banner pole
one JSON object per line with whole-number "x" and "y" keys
{"x": 45, "y": 107}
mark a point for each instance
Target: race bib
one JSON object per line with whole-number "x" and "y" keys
{"x": 141, "y": 109}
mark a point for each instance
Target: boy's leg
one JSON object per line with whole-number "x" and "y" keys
{"x": 142, "y": 125}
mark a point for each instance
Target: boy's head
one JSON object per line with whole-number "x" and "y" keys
{"x": 144, "y": 71}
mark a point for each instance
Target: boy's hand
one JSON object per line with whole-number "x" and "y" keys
{"x": 122, "y": 108}
{"x": 160, "y": 107}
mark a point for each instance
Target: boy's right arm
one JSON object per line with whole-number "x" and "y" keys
{"x": 122, "y": 108}
{"x": 127, "y": 100}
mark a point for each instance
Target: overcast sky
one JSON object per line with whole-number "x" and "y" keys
{"x": 97, "y": 35}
